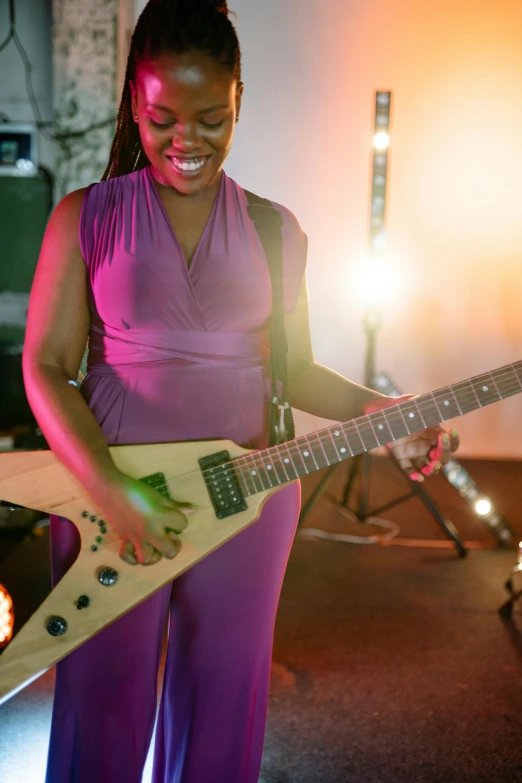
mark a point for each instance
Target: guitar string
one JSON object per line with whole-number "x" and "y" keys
{"x": 186, "y": 481}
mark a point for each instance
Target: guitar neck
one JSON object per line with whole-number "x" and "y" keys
{"x": 278, "y": 465}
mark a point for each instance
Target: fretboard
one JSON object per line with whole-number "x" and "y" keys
{"x": 278, "y": 465}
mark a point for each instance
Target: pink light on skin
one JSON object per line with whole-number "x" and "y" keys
{"x": 414, "y": 448}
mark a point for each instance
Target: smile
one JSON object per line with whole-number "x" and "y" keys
{"x": 188, "y": 167}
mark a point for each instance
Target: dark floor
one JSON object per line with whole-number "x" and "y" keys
{"x": 391, "y": 664}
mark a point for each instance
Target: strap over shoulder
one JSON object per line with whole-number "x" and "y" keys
{"x": 268, "y": 222}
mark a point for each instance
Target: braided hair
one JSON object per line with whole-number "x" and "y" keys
{"x": 174, "y": 27}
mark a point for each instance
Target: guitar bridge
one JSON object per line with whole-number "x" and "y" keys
{"x": 222, "y": 484}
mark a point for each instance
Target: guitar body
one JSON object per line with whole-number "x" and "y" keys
{"x": 37, "y": 480}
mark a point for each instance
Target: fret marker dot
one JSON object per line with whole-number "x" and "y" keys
{"x": 269, "y": 467}
{"x": 337, "y": 433}
{"x": 485, "y": 388}
{"x": 254, "y": 472}
{"x": 446, "y": 402}
{"x": 380, "y": 427}
{"x": 411, "y": 415}
{"x": 306, "y": 453}
{"x": 343, "y": 450}
{"x": 286, "y": 461}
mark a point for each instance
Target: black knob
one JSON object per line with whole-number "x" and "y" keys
{"x": 108, "y": 576}
{"x": 83, "y": 602}
{"x": 56, "y": 626}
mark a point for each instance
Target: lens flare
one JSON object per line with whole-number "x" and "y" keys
{"x": 378, "y": 280}
{"x": 381, "y": 141}
{"x": 483, "y": 507}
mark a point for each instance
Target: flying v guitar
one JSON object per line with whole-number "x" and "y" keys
{"x": 227, "y": 483}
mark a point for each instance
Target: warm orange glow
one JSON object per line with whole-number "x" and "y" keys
{"x": 453, "y": 195}
{"x": 6, "y": 617}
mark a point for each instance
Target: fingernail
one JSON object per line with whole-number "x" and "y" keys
{"x": 188, "y": 511}
{"x": 416, "y": 477}
{"x": 454, "y": 433}
{"x": 445, "y": 438}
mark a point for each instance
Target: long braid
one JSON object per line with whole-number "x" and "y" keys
{"x": 177, "y": 27}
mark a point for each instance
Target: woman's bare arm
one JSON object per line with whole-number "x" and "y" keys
{"x": 314, "y": 388}
{"x": 56, "y": 335}
{"x": 57, "y": 330}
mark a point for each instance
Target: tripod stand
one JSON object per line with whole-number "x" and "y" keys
{"x": 361, "y": 465}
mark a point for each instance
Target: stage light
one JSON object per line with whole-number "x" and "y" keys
{"x": 377, "y": 281}
{"x": 6, "y": 617}
{"x": 381, "y": 141}
{"x": 483, "y": 507}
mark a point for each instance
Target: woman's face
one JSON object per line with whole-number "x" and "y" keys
{"x": 186, "y": 106}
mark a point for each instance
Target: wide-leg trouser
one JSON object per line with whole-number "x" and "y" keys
{"x": 213, "y": 706}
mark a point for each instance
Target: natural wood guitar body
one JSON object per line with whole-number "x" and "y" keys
{"x": 37, "y": 480}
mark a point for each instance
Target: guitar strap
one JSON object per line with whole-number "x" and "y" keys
{"x": 268, "y": 222}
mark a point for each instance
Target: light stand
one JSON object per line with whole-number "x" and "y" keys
{"x": 361, "y": 465}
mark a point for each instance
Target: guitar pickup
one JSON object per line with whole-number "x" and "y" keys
{"x": 222, "y": 484}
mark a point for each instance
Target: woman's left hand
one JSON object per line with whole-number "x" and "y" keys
{"x": 423, "y": 453}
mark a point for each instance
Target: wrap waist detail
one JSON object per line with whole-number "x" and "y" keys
{"x": 114, "y": 350}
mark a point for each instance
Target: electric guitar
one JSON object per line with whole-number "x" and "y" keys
{"x": 227, "y": 484}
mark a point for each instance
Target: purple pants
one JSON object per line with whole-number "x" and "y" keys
{"x": 213, "y": 705}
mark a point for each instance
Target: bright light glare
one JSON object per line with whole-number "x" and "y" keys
{"x": 6, "y": 617}
{"x": 483, "y": 507}
{"x": 381, "y": 141}
{"x": 378, "y": 280}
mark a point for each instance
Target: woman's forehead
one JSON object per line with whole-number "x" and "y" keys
{"x": 191, "y": 72}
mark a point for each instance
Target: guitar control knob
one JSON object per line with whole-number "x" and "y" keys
{"x": 56, "y": 626}
{"x": 108, "y": 576}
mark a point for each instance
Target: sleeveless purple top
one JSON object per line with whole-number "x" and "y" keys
{"x": 177, "y": 352}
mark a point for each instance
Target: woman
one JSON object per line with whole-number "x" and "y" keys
{"x": 160, "y": 266}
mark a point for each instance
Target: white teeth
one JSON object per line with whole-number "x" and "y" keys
{"x": 189, "y": 165}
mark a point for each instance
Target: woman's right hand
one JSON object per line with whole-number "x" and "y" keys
{"x": 146, "y": 521}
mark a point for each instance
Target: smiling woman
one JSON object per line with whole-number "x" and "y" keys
{"x": 161, "y": 267}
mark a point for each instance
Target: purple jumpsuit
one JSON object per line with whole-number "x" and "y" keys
{"x": 178, "y": 354}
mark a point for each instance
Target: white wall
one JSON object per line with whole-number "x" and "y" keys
{"x": 33, "y": 24}
{"x": 455, "y": 68}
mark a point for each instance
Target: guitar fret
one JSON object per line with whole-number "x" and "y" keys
{"x": 354, "y": 439}
{"x": 298, "y": 450}
{"x": 517, "y": 368}
{"x": 310, "y": 450}
{"x": 447, "y": 407}
{"x": 320, "y": 453}
{"x": 241, "y": 476}
{"x": 289, "y": 462}
{"x": 482, "y": 386}
{"x": 429, "y": 411}
{"x": 467, "y": 401}
{"x": 507, "y": 381}
{"x": 346, "y": 450}
{"x": 386, "y": 435}
{"x": 266, "y": 465}
{"x": 338, "y": 456}
{"x": 255, "y": 472}
{"x": 367, "y": 434}
{"x": 396, "y": 422}
{"x": 278, "y": 464}
{"x": 413, "y": 417}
